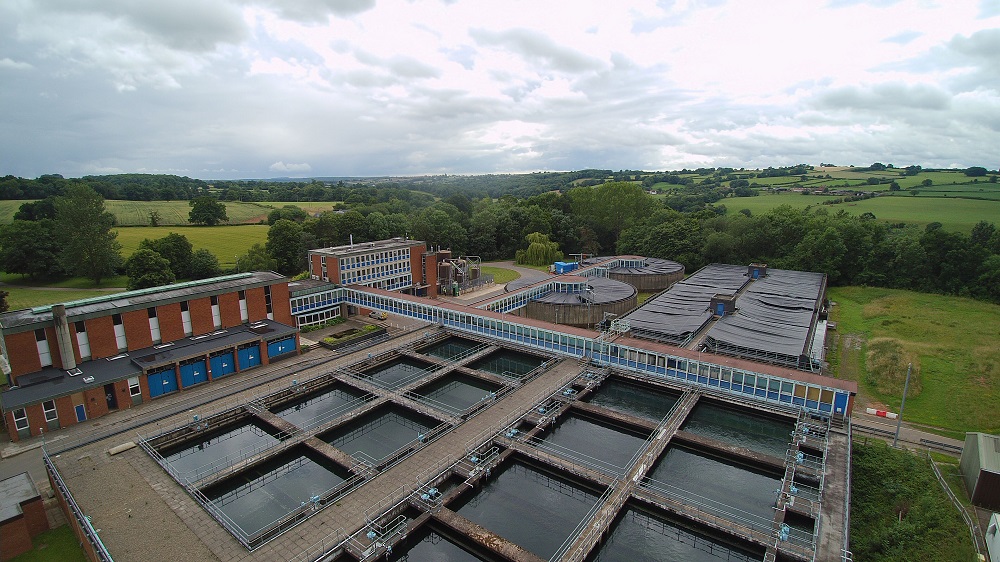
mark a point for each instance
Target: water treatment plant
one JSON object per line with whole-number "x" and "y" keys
{"x": 476, "y": 433}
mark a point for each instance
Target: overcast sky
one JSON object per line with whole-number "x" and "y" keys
{"x": 220, "y": 89}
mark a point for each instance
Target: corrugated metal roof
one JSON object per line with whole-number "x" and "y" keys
{"x": 989, "y": 451}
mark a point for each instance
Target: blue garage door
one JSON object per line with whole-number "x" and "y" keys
{"x": 163, "y": 382}
{"x": 222, "y": 364}
{"x": 249, "y": 356}
{"x": 193, "y": 373}
{"x": 280, "y": 347}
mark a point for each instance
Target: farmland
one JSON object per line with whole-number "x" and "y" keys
{"x": 136, "y": 213}
{"x": 226, "y": 242}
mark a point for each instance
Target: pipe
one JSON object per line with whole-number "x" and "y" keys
{"x": 63, "y": 340}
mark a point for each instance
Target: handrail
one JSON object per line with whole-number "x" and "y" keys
{"x": 83, "y": 521}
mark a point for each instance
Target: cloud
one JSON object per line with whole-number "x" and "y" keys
{"x": 537, "y": 48}
{"x": 885, "y": 97}
{"x": 282, "y": 167}
{"x": 315, "y": 11}
{"x": 8, "y": 64}
{"x": 904, "y": 37}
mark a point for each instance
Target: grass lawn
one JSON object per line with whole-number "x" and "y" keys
{"x": 27, "y": 298}
{"x": 954, "y": 343}
{"x": 226, "y": 242}
{"x": 899, "y": 510}
{"x": 55, "y": 545}
{"x": 500, "y": 275}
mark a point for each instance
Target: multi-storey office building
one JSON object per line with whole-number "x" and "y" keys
{"x": 394, "y": 265}
{"x": 79, "y": 360}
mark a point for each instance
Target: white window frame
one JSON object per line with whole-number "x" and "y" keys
{"x": 44, "y": 352}
{"x": 20, "y": 422}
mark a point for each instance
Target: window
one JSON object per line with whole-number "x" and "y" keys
{"x": 186, "y": 318}
{"x": 134, "y": 390}
{"x": 154, "y": 324}
{"x": 21, "y": 423}
{"x": 244, "y": 315}
{"x": 216, "y": 315}
{"x": 82, "y": 341}
{"x": 119, "y": 332}
{"x": 42, "y": 343}
{"x": 51, "y": 415}
{"x": 267, "y": 302}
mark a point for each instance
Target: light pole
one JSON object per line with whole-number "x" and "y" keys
{"x": 899, "y": 420}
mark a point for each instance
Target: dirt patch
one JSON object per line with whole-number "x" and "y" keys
{"x": 886, "y": 365}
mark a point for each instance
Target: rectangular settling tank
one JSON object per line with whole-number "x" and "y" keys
{"x": 741, "y": 428}
{"x": 211, "y": 451}
{"x": 451, "y": 348}
{"x": 633, "y": 399}
{"x": 266, "y": 492}
{"x": 534, "y": 509}
{"x": 321, "y": 406}
{"x": 593, "y": 443}
{"x": 380, "y": 433}
{"x": 640, "y": 536}
{"x": 723, "y": 488}
{"x": 455, "y": 393}
{"x": 429, "y": 544}
{"x": 398, "y": 372}
{"x": 508, "y": 363}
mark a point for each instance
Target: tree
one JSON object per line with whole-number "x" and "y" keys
{"x": 4, "y": 307}
{"x": 145, "y": 268}
{"x": 203, "y": 265}
{"x": 154, "y": 218}
{"x": 37, "y": 210}
{"x": 927, "y": 182}
{"x": 290, "y": 212}
{"x": 256, "y": 259}
{"x": 976, "y": 172}
{"x": 982, "y": 232}
{"x": 30, "y": 248}
{"x": 176, "y": 249}
{"x": 540, "y": 251}
{"x": 89, "y": 245}
{"x": 207, "y": 210}
{"x": 284, "y": 244}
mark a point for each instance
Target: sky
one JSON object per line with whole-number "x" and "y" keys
{"x": 227, "y": 89}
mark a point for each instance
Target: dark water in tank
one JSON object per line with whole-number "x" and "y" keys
{"x": 506, "y": 362}
{"x": 380, "y": 433}
{"x": 718, "y": 486}
{"x": 258, "y": 496}
{"x": 455, "y": 393}
{"x": 741, "y": 428}
{"x": 450, "y": 348}
{"x": 397, "y": 373}
{"x": 593, "y": 443}
{"x": 211, "y": 451}
{"x": 531, "y": 508}
{"x": 322, "y": 406}
{"x": 639, "y": 401}
{"x": 639, "y": 536}
{"x": 426, "y": 545}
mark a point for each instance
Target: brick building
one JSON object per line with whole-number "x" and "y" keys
{"x": 79, "y": 360}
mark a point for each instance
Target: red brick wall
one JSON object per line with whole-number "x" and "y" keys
{"x": 137, "y": 329}
{"x": 64, "y": 408}
{"x": 122, "y": 395}
{"x": 23, "y": 353}
{"x": 95, "y": 402}
{"x": 333, "y": 269}
{"x": 281, "y": 305}
{"x": 229, "y": 308}
{"x": 201, "y": 316}
{"x": 34, "y": 515}
{"x": 316, "y": 266}
{"x": 432, "y": 275}
{"x": 415, "y": 253}
{"x": 101, "y": 332}
{"x": 14, "y": 538}
{"x": 50, "y": 335}
{"x": 171, "y": 325}
{"x": 256, "y": 309}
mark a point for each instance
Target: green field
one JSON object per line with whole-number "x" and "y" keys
{"x": 136, "y": 213}
{"x": 957, "y": 215}
{"x": 500, "y": 275}
{"x": 955, "y": 343}
{"x": 226, "y": 242}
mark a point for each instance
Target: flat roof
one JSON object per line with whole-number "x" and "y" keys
{"x": 988, "y": 447}
{"x": 677, "y": 313}
{"x": 52, "y": 383}
{"x": 603, "y": 290}
{"x": 367, "y": 247}
{"x": 302, "y": 287}
{"x": 28, "y": 318}
{"x": 14, "y": 490}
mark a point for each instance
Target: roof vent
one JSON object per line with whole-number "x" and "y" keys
{"x": 88, "y": 379}
{"x": 162, "y": 345}
{"x": 256, "y": 325}
{"x": 119, "y": 356}
{"x": 74, "y": 372}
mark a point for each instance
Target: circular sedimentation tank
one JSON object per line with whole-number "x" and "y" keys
{"x": 648, "y": 275}
{"x": 579, "y": 301}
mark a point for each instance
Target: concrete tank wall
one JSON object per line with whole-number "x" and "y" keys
{"x": 649, "y": 283}
{"x": 579, "y": 315}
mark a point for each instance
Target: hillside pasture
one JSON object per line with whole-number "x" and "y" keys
{"x": 955, "y": 342}
{"x": 226, "y": 242}
{"x": 136, "y": 213}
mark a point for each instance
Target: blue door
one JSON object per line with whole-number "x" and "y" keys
{"x": 222, "y": 365}
{"x": 720, "y": 309}
{"x": 194, "y": 373}
{"x": 249, "y": 357}
{"x": 281, "y": 347}
{"x": 840, "y": 403}
{"x": 81, "y": 413}
{"x": 163, "y": 382}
